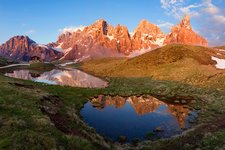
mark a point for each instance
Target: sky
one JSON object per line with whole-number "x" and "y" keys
{"x": 44, "y": 20}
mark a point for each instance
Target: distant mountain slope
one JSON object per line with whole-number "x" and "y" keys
{"x": 189, "y": 64}
{"x": 22, "y": 48}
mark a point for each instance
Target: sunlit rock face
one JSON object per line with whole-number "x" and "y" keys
{"x": 183, "y": 34}
{"x": 142, "y": 105}
{"x": 103, "y": 40}
{"x": 22, "y": 48}
{"x": 96, "y": 40}
{"x": 147, "y": 36}
{"x": 73, "y": 77}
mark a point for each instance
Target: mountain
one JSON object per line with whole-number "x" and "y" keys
{"x": 102, "y": 40}
{"x": 22, "y": 48}
{"x": 183, "y": 34}
{"x": 99, "y": 39}
{"x": 146, "y": 36}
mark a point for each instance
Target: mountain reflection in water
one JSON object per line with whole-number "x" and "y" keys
{"x": 72, "y": 77}
{"x": 135, "y": 116}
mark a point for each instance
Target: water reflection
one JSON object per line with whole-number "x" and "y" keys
{"x": 135, "y": 116}
{"x": 72, "y": 77}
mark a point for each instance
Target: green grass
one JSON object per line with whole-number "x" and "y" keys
{"x": 23, "y": 124}
{"x": 184, "y": 63}
{"x": 41, "y": 65}
{"x": 39, "y": 116}
{"x": 3, "y": 61}
{"x": 220, "y": 47}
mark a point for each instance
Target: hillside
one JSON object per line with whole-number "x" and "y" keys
{"x": 4, "y": 61}
{"x": 188, "y": 64}
{"x": 221, "y": 47}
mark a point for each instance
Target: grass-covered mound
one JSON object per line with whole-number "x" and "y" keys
{"x": 41, "y": 65}
{"x": 3, "y": 61}
{"x": 221, "y": 47}
{"x": 189, "y": 64}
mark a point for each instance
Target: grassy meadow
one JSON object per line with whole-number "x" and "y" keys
{"x": 40, "y": 116}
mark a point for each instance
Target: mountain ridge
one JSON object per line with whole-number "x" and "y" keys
{"x": 101, "y": 39}
{"x": 22, "y": 48}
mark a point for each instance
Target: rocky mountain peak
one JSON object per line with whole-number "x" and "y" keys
{"x": 22, "y": 48}
{"x": 23, "y": 41}
{"x": 183, "y": 34}
{"x": 102, "y": 39}
{"x": 186, "y": 22}
{"x": 101, "y": 24}
{"x": 121, "y": 30}
{"x": 146, "y": 27}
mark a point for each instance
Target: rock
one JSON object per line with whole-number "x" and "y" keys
{"x": 22, "y": 48}
{"x": 183, "y": 34}
{"x": 101, "y": 39}
{"x": 158, "y": 129}
{"x": 135, "y": 142}
{"x": 193, "y": 101}
{"x": 147, "y": 36}
{"x": 177, "y": 101}
{"x": 122, "y": 139}
{"x": 183, "y": 102}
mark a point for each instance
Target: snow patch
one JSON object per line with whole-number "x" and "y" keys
{"x": 65, "y": 64}
{"x": 160, "y": 41}
{"x": 42, "y": 45}
{"x": 68, "y": 49}
{"x": 220, "y": 62}
{"x": 59, "y": 48}
{"x": 60, "y": 45}
{"x": 132, "y": 34}
{"x": 111, "y": 37}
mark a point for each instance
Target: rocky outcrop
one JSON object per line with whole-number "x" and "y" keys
{"x": 103, "y": 40}
{"x": 147, "y": 36}
{"x": 97, "y": 40}
{"x": 183, "y": 34}
{"x": 22, "y": 48}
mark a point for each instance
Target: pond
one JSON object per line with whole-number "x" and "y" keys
{"x": 142, "y": 117}
{"x": 69, "y": 77}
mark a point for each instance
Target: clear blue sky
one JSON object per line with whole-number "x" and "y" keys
{"x": 42, "y": 19}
